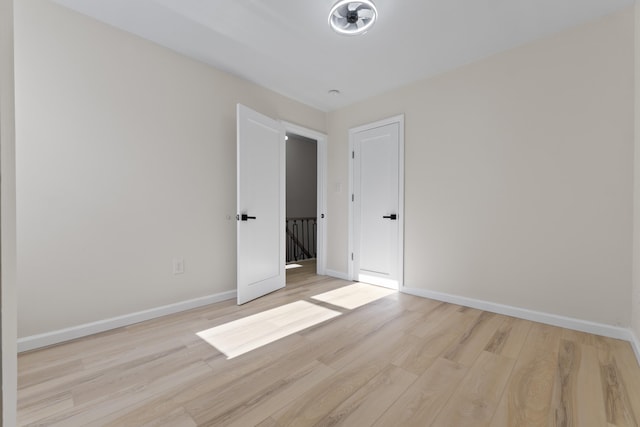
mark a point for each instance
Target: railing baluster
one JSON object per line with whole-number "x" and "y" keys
{"x": 301, "y": 238}
{"x": 315, "y": 238}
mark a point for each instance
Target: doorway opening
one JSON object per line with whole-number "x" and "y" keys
{"x": 305, "y": 231}
{"x": 301, "y": 199}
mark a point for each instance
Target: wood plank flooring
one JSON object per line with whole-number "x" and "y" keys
{"x": 397, "y": 360}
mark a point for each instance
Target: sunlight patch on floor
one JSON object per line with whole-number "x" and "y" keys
{"x": 289, "y": 266}
{"x": 354, "y": 296}
{"x": 243, "y": 335}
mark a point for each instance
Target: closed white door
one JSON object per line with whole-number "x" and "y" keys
{"x": 261, "y": 205}
{"x": 376, "y": 205}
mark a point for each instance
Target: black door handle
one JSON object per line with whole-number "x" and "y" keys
{"x": 245, "y": 217}
{"x": 392, "y": 217}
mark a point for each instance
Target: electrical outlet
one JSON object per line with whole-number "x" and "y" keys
{"x": 178, "y": 265}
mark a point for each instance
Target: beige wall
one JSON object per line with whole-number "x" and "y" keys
{"x": 8, "y": 217}
{"x": 519, "y": 175}
{"x": 635, "y": 300}
{"x": 126, "y": 159}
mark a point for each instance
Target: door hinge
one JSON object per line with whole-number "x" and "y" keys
{"x": 351, "y": 256}
{"x": 353, "y": 154}
{"x": 353, "y": 198}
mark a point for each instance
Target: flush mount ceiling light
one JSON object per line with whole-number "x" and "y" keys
{"x": 349, "y": 17}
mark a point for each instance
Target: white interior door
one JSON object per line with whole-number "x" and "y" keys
{"x": 261, "y": 205}
{"x": 376, "y": 205}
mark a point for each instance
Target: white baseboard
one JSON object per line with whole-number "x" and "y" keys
{"x": 536, "y": 316}
{"x": 337, "y": 274}
{"x": 55, "y": 337}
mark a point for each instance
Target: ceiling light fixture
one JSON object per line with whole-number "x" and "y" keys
{"x": 350, "y": 18}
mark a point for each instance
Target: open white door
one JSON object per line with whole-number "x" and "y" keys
{"x": 261, "y": 205}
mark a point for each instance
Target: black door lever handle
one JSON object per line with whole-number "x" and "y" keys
{"x": 392, "y": 217}
{"x": 245, "y": 217}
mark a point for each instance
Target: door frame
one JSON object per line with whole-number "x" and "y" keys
{"x": 353, "y": 250}
{"x": 321, "y": 191}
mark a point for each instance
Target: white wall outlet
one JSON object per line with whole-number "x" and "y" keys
{"x": 178, "y": 265}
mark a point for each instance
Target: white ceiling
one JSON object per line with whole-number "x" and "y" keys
{"x": 287, "y": 45}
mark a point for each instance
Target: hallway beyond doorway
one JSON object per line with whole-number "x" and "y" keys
{"x": 300, "y": 272}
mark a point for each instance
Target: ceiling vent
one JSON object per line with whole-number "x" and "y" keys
{"x": 352, "y": 17}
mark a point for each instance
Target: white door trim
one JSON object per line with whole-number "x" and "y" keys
{"x": 399, "y": 119}
{"x": 322, "y": 140}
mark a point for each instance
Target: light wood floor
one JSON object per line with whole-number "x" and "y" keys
{"x": 396, "y": 361}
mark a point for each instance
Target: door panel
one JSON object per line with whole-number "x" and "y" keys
{"x": 261, "y": 205}
{"x": 376, "y": 196}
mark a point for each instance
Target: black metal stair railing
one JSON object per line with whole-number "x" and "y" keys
{"x": 301, "y": 238}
